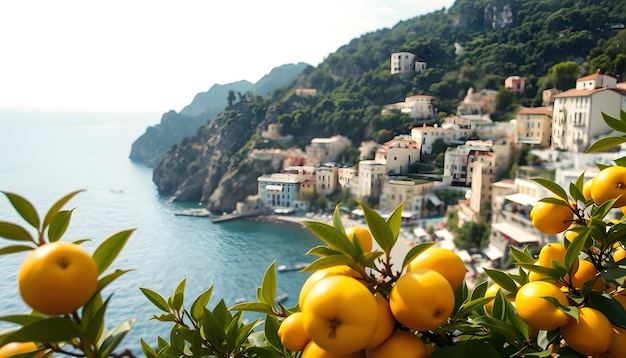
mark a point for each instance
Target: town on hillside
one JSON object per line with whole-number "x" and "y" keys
{"x": 477, "y": 153}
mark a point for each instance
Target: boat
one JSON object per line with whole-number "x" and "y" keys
{"x": 281, "y": 298}
{"x": 200, "y": 212}
{"x": 240, "y": 300}
{"x": 296, "y": 267}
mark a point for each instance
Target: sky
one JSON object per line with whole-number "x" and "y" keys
{"x": 155, "y": 55}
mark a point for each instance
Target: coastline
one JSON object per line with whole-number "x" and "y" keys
{"x": 399, "y": 251}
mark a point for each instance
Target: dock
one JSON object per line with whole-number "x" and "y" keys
{"x": 200, "y": 212}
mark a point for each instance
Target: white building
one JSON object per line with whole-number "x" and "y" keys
{"x": 577, "y": 114}
{"x": 398, "y": 154}
{"x": 371, "y": 176}
{"x": 403, "y": 62}
{"x": 425, "y": 136}
{"x": 326, "y": 179}
{"x": 279, "y": 190}
{"x": 417, "y": 106}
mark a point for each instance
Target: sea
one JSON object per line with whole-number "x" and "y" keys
{"x": 45, "y": 155}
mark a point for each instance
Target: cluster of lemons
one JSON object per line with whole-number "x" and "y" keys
{"x": 340, "y": 316}
{"x": 592, "y": 333}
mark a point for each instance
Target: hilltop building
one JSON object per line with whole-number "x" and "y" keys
{"x": 417, "y": 106}
{"x": 481, "y": 102}
{"x": 403, "y": 62}
{"x": 323, "y": 150}
{"x": 515, "y": 84}
{"x": 577, "y": 114}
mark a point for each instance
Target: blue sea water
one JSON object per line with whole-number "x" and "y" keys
{"x": 46, "y": 155}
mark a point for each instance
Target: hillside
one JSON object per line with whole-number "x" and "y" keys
{"x": 474, "y": 44}
{"x": 150, "y": 147}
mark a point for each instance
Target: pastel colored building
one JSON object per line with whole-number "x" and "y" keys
{"x": 403, "y": 62}
{"x": 533, "y": 127}
{"x": 323, "y": 150}
{"x": 372, "y": 174}
{"x": 415, "y": 193}
{"x": 515, "y": 84}
{"x": 398, "y": 154}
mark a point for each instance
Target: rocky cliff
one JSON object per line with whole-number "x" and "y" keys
{"x": 158, "y": 139}
{"x": 213, "y": 166}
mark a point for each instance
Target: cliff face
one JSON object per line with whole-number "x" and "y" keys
{"x": 212, "y": 166}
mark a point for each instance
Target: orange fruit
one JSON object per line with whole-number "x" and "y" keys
{"x": 57, "y": 278}
{"x": 339, "y": 314}
{"x": 421, "y": 299}
{"x": 444, "y": 261}
{"x": 401, "y": 344}
{"x": 609, "y": 184}
{"x": 551, "y": 218}
{"x": 591, "y": 335}
{"x": 553, "y": 251}
{"x": 364, "y": 236}
{"x": 617, "y": 347}
{"x": 619, "y": 254}
{"x": 320, "y": 274}
{"x": 620, "y": 297}
{"x": 312, "y": 350}
{"x": 292, "y": 334}
{"x": 386, "y": 322}
{"x": 538, "y": 312}
{"x": 586, "y": 272}
{"x": 14, "y": 348}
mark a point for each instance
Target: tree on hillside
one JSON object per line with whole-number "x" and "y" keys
{"x": 472, "y": 235}
{"x": 231, "y": 98}
{"x": 563, "y": 75}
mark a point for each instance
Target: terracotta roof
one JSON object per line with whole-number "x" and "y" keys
{"x": 536, "y": 110}
{"x": 420, "y": 96}
{"x": 579, "y": 93}
{"x": 592, "y": 76}
{"x": 429, "y": 128}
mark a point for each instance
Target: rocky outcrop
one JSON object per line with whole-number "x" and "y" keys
{"x": 157, "y": 140}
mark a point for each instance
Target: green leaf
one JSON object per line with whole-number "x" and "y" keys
{"x": 108, "y": 250}
{"x": 21, "y": 319}
{"x": 253, "y": 307}
{"x": 166, "y": 317}
{"x": 56, "y": 207}
{"x": 197, "y": 308}
{"x": 55, "y": 329}
{"x": 337, "y": 224}
{"x": 379, "y": 228}
{"x": 14, "y": 248}
{"x": 479, "y": 290}
{"x": 213, "y": 330}
{"x": 328, "y": 261}
{"x": 176, "y": 302}
{"x": 322, "y": 251}
{"x": 505, "y": 329}
{"x": 605, "y": 143}
{"x": 545, "y": 271}
{"x": 576, "y": 193}
{"x": 502, "y": 279}
{"x": 511, "y": 316}
{"x": 553, "y": 187}
{"x": 94, "y": 326}
{"x": 394, "y": 221}
{"x": 104, "y": 281}
{"x": 222, "y": 313}
{"x": 331, "y": 236}
{"x": 614, "y": 123}
{"x": 23, "y": 207}
{"x": 521, "y": 256}
{"x": 146, "y": 349}
{"x": 467, "y": 349}
{"x": 59, "y": 225}
{"x": 470, "y": 306}
{"x": 609, "y": 307}
{"x": 115, "y": 337}
{"x": 268, "y": 285}
{"x": 14, "y": 232}
{"x": 271, "y": 332}
{"x": 573, "y": 251}
{"x": 415, "y": 251}
{"x": 460, "y": 296}
{"x": 156, "y": 299}
{"x": 572, "y": 311}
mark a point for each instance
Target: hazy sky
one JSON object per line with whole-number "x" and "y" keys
{"x": 156, "y": 55}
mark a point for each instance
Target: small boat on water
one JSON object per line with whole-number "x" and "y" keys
{"x": 240, "y": 300}
{"x": 200, "y": 212}
{"x": 281, "y": 298}
{"x": 296, "y": 267}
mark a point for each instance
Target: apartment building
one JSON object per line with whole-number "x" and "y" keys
{"x": 577, "y": 114}
{"x": 398, "y": 154}
{"x": 372, "y": 174}
{"x": 533, "y": 127}
{"x": 417, "y": 194}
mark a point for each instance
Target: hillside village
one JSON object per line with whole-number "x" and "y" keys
{"x": 479, "y": 152}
